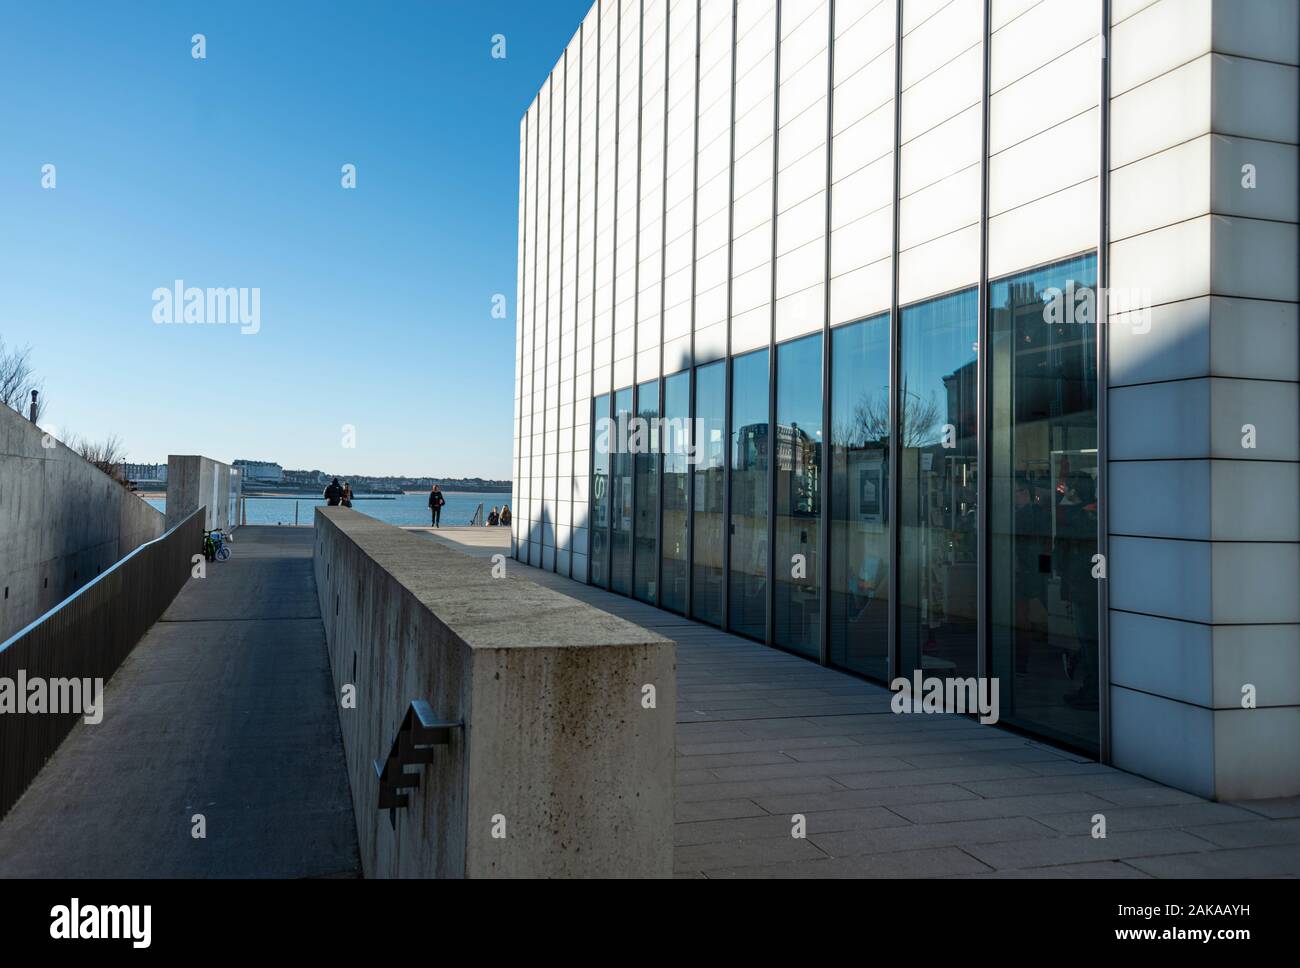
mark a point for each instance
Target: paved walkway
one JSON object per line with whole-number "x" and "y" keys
{"x": 481, "y": 542}
{"x": 763, "y": 735}
{"x": 224, "y": 709}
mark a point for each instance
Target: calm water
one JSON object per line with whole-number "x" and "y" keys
{"x": 404, "y": 509}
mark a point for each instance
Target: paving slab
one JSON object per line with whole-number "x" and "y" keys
{"x": 1247, "y": 862}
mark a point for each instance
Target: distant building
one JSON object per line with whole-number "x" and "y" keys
{"x": 303, "y": 477}
{"x": 260, "y": 470}
{"x": 145, "y": 473}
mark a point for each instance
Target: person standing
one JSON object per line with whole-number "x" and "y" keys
{"x": 436, "y": 501}
{"x": 347, "y": 495}
{"x": 334, "y": 493}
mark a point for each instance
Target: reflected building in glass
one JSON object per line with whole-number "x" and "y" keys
{"x": 913, "y": 300}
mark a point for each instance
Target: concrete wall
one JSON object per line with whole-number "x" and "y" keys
{"x": 1205, "y": 531}
{"x": 62, "y": 522}
{"x": 556, "y": 741}
{"x": 194, "y": 481}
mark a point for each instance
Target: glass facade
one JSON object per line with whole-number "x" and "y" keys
{"x": 1043, "y": 498}
{"x": 796, "y": 573}
{"x": 644, "y": 442}
{"x": 859, "y": 498}
{"x": 600, "y": 491}
{"x": 676, "y": 486}
{"x": 709, "y": 477}
{"x": 620, "y": 479}
{"x": 937, "y": 513}
{"x": 715, "y": 459}
{"x": 750, "y": 507}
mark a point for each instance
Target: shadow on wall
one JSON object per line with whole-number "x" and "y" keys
{"x": 542, "y": 542}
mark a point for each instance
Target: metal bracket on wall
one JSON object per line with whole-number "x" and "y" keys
{"x": 413, "y": 745}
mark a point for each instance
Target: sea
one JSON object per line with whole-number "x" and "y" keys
{"x": 392, "y": 509}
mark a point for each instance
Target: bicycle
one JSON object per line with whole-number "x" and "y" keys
{"x": 214, "y": 546}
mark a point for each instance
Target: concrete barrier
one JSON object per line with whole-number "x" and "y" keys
{"x": 62, "y": 521}
{"x": 84, "y": 637}
{"x": 194, "y": 482}
{"x": 564, "y": 764}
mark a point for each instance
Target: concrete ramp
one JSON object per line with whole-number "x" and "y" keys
{"x": 225, "y": 710}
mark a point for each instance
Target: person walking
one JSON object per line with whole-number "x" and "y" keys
{"x": 334, "y": 493}
{"x": 347, "y": 495}
{"x": 436, "y": 501}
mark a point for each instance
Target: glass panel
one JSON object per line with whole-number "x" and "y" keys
{"x": 937, "y": 581}
{"x": 859, "y": 456}
{"x": 677, "y": 438}
{"x": 1042, "y": 494}
{"x": 600, "y": 491}
{"x": 620, "y": 526}
{"x": 709, "y": 477}
{"x": 796, "y": 616}
{"x": 749, "y": 494}
{"x": 645, "y": 444}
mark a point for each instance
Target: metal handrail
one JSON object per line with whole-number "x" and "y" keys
{"x": 420, "y": 732}
{"x": 87, "y": 636}
{"x": 102, "y": 578}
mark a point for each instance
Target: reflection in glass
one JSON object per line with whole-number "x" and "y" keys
{"x": 937, "y": 552}
{"x": 859, "y": 526}
{"x": 1042, "y": 495}
{"x": 644, "y": 444}
{"x": 600, "y": 492}
{"x": 677, "y": 411}
{"x": 620, "y": 526}
{"x": 749, "y": 494}
{"x": 709, "y": 476}
{"x": 796, "y": 616}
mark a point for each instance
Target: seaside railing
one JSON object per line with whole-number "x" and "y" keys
{"x": 86, "y": 637}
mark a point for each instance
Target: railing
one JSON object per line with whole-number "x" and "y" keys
{"x": 87, "y": 636}
{"x": 421, "y": 731}
{"x": 477, "y": 520}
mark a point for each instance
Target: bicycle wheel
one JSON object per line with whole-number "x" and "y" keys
{"x": 223, "y": 553}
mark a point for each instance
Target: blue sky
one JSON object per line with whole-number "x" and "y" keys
{"x": 225, "y": 172}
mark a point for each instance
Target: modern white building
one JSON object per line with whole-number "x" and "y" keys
{"x": 1015, "y": 282}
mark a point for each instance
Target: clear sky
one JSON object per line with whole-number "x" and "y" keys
{"x": 376, "y": 302}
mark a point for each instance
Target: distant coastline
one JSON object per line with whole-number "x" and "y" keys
{"x": 154, "y": 488}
